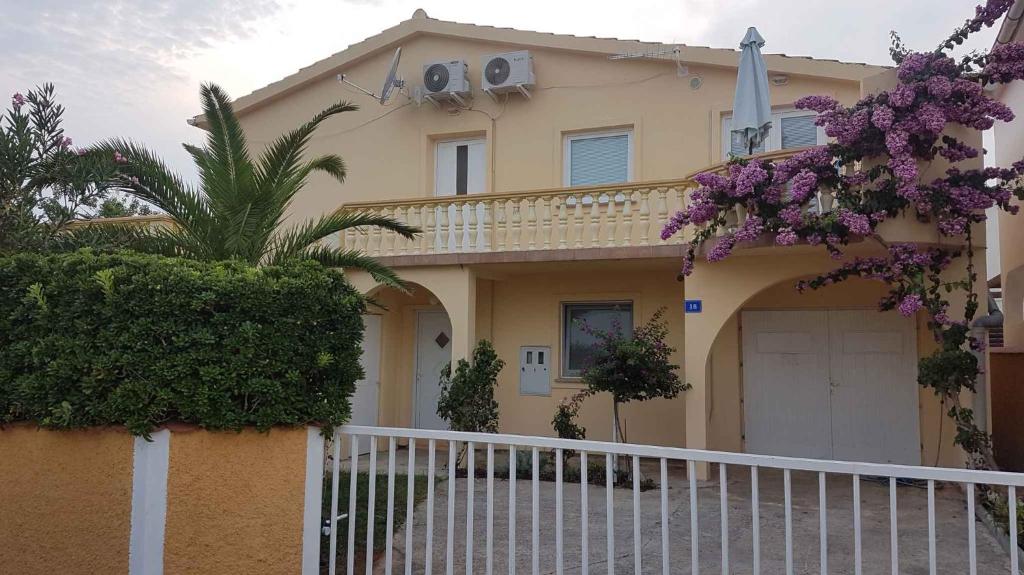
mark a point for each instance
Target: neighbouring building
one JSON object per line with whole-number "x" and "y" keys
{"x": 542, "y": 201}
{"x": 1007, "y": 374}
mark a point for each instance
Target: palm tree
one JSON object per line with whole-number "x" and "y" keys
{"x": 238, "y": 209}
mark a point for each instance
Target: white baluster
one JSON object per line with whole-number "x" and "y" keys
{"x": 730, "y": 223}
{"x": 645, "y": 217}
{"x": 488, "y": 225}
{"x": 430, "y": 233}
{"x": 471, "y": 227}
{"x": 443, "y": 244}
{"x": 373, "y": 246}
{"x": 662, "y": 211}
{"x": 741, "y": 214}
{"x": 545, "y": 214}
{"x": 627, "y": 218}
{"x": 577, "y": 218}
{"x": 387, "y": 238}
{"x": 515, "y": 225}
{"x": 500, "y": 226}
{"x": 563, "y": 223}
{"x": 457, "y": 227}
{"x": 827, "y": 199}
{"x": 531, "y": 222}
{"x": 401, "y": 244}
{"x": 421, "y": 222}
{"x": 595, "y": 221}
{"x": 611, "y": 219}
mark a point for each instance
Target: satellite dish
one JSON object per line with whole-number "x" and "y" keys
{"x": 392, "y": 81}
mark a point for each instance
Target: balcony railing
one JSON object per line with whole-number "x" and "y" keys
{"x": 621, "y": 215}
{"x": 611, "y": 216}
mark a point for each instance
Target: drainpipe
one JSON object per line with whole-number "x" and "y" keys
{"x": 979, "y": 329}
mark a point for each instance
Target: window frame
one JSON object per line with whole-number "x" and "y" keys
{"x": 478, "y": 139}
{"x": 568, "y": 139}
{"x": 564, "y": 372}
{"x": 774, "y": 142}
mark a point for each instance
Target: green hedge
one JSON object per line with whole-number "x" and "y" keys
{"x": 138, "y": 340}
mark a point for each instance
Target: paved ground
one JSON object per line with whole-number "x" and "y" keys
{"x": 951, "y": 528}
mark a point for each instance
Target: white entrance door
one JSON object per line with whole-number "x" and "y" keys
{"x": 433, "y": 351}
{"x": 366, "y": 399}
{"x": 831, "y": 384}
{"x": 460, "y": 168}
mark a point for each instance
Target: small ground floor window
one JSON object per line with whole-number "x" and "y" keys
{"x": 577, "y": 344}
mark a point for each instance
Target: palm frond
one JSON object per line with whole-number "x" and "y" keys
{"x": 227, "y": 175}
{"x": 281, "y": 159}
{"x": 148, "y": 178}
{"x": 352, "y": 259}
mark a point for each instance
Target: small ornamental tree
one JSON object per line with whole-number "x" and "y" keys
{"x": 467, "y": 396}
{"x": 635, "y": 367}
{"x": 872, "y": 171}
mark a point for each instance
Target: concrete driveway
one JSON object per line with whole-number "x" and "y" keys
{"x": 951, "y": 528}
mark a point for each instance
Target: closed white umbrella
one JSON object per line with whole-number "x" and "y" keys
{"x": 751, "y": 108}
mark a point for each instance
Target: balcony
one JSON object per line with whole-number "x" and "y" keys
{"x": 524, "y": 226}
{"x": 578, "y": 223}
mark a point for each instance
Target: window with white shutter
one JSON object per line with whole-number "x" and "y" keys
{"x": 598, "y": 158}
{"x": 790, "y": 129}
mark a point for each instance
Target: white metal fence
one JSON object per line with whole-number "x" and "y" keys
{"x": 366, "y": 444}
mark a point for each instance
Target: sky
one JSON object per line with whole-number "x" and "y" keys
{"x": 132, "y": 68}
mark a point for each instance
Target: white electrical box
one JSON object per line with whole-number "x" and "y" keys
{"x": 535, "y": 370}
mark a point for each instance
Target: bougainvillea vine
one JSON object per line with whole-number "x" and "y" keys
{"x": 872, "y": 171}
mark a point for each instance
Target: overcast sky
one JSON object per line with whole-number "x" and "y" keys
{"x": 133, "y": 68}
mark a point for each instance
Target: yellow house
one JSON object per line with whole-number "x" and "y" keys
{"x": 542, "y": 200}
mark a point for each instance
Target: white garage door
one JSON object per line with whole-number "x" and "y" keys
{"x": 831, "y": 384}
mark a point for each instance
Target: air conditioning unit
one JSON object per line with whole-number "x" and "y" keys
{"x": 508, "y": 72}
{"x": 446, "y": 81}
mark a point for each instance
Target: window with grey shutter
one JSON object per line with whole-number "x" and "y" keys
{"x": 799, "y": 131}
{"x": 595, "y": 160}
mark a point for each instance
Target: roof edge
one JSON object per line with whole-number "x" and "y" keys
{"x": 421, "y": 24}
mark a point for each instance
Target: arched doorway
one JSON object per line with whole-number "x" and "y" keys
{"x": 409, "y": 336}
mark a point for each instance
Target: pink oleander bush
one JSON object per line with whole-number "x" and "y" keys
{"x": 872, "y": 169}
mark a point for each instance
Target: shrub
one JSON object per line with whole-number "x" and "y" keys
{"x": 634, "y": 368}
{"x": 467, "y": 397}
{"x": 138, "y": 340}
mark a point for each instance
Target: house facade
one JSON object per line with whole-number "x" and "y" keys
{"x": 542, "y": 205}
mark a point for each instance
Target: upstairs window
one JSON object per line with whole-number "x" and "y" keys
{"x": 460, "y": 167}
{"x": 596, "y": 158}
{"x": 790, "y": 129}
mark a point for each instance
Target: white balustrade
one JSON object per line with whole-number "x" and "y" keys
{"x": 573, "y": 218}
{"x": 666, "y": 530}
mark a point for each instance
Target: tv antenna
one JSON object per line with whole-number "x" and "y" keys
{"x": 674, "y": 51}
{"x": 391, "y": 81}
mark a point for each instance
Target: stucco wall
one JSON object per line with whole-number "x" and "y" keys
{"x": 65, "y": 501}
{"x": 521, "y": 305}
{"x": 527, "y": 311}
{"x": 1009, "y": 139}
{"x": 389, "y": 150}
{"x": 235, "y": 501}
